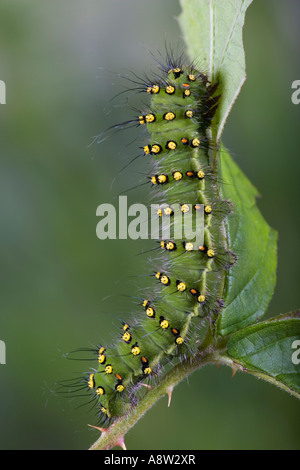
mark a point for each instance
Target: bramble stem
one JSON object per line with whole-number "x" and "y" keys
{"x": 235, "y": 365}
{"x": 115, "y": 433}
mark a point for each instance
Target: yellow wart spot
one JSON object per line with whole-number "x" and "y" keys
{"x": 207, "y": 209}
{"x": 192, "y": 77}
{"x": 150, "y": 118}
{"x": 169, "y": 116}
{"x": 120, "y": 388}
{"x": 91, "y": 382}
{"x": 179, "y": 340}
{"x": 100, "y": 391}
{"x": 177, "y": 175}
{"x": 189, "y": 246}
{"x": 189, "y": 114}
{"x": 201, "y": 298}
{"x": 185, "y": 208}
{"x": 200, "y": 174}
{"x": 153, "y": 89}
{"x": 147, "y": 370}
{"x": 162, "y": 179}
{"x": 126, "y": 336}
{"x": 104, "y": 410}
{"x": 108, "y": 369}
{"x": 168, "y": 211}
{"x": 181, "y": 286}
{"x": 135, "y": 350}
{"x": 155, "y": 148}
{"x": 196, "y": 142}
{"x": 101, "y": 358}
{"x": 164, "y": 280}
{"x": 164, "y": 324}
{"x": 157, "y": 275}
{"x": 171, "y": 145}
{"x": 150, "y": 312}
{"x": 210, "y": 253}
{"x": 170, "y": 89}
{"x": 170, "y": 246}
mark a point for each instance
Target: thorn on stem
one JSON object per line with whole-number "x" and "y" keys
{"x": 234, "y": 371}
{"x": 119, "y": 442}
{"x": 99, "y": 429}
{"x": 169, "y": 393}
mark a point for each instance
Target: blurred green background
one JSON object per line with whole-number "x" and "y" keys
{"x": 60, "y": 285}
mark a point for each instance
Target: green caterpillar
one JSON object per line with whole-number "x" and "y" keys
{"x": 189, "y": 281}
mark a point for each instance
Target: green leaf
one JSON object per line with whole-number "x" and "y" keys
{"x": 271, "y": 351}
{"x": 251, "y": 281}
{"x": 212, "y": 31}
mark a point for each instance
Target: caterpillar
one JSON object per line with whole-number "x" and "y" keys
{"x": 189, "y": 279}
